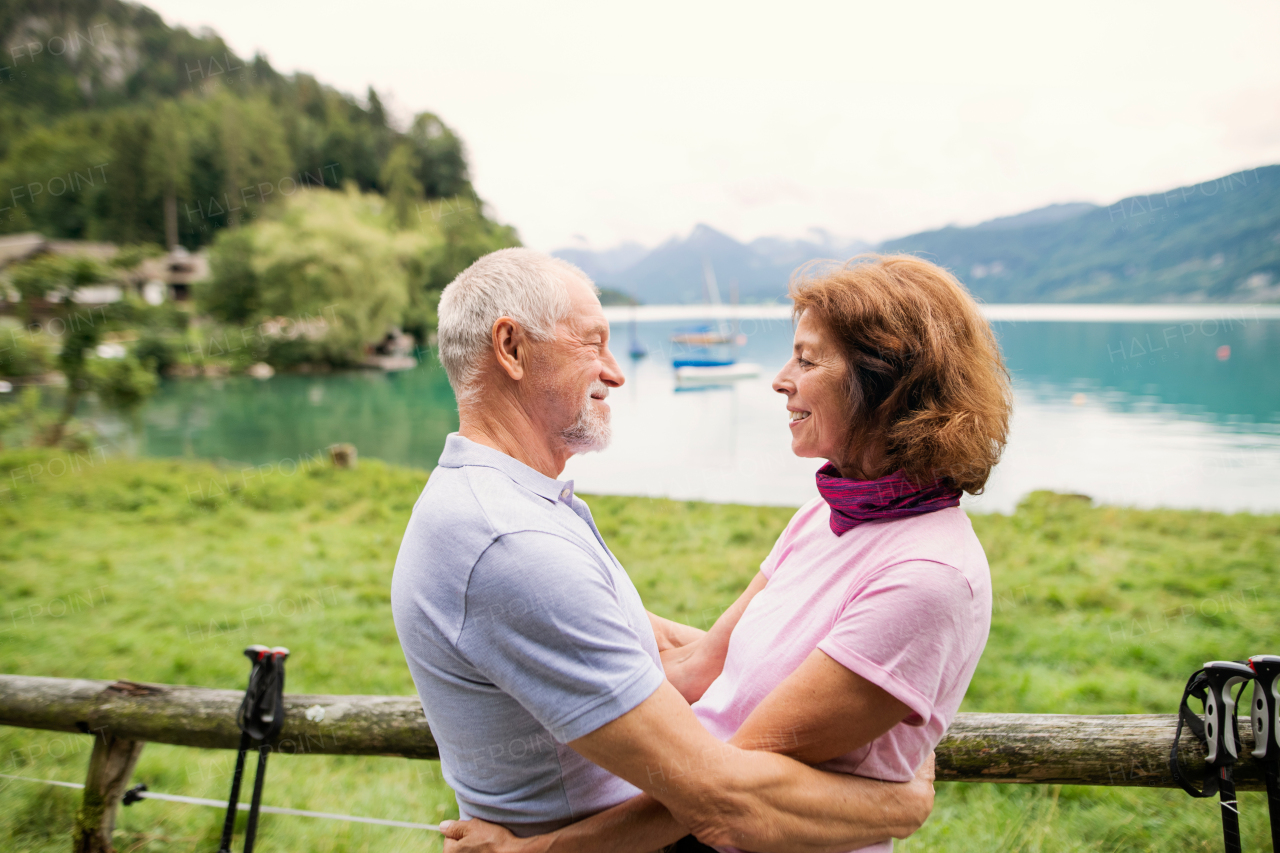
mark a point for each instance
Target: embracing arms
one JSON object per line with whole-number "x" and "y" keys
{"x": 725, "y": 794}
{"x": 758, "y": 800}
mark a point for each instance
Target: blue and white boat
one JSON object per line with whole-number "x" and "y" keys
{"x": 712, "y": 354}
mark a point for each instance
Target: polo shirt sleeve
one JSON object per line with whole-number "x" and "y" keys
{"x": 545, "y": 624}
{"x": 911, "y": 629}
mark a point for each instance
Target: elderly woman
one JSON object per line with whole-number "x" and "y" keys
{"x": 854, "y": 645}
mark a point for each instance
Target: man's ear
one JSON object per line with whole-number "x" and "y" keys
{"x": 509, "y": 341}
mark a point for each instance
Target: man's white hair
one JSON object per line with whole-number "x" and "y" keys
{"x": 527, "y": 286}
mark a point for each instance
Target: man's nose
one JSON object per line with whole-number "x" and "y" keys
{"x": 611, "y": 371}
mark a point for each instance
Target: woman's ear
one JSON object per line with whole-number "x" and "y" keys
{"x": 509, "y": 342}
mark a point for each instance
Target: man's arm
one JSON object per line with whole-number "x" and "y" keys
{"x": 729, "y": 796}
{"x": 642, "y": 824}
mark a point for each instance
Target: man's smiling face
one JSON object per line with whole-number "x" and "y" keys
{"x": 574, "y": 373}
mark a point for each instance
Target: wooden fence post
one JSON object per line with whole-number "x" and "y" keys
{"x": 110, "y": 768}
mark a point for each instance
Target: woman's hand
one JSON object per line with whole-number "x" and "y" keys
{"x": 673, "y": 635}
{"x": 478, "y": 836}
{"x": 692, "y": 668}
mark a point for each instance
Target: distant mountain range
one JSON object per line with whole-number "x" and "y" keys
{"x": 673, "y": 273}
{"x": 1217, "y": 241}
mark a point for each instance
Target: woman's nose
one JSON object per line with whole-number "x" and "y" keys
{"x": 782, "y": 384}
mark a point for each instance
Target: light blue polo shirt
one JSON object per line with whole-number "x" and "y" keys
{"x": 523, "y": 632}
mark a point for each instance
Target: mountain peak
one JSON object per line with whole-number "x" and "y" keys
{"x": 704, "y": 234}
{"x": 1047, "y": 215}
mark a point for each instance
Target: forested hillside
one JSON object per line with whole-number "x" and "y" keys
{"x": 115, "y": 126}
{"x": 1217, "y": 241}
{"x": 330, "y": 230}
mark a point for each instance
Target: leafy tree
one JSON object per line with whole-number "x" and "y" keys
{"x": 233, "y": 294}
{"x": 340, "y": 260}
{"x": 404, "y": 191}
{"x": 22, "y": 353}
{"x": 170, "y": 164}
{"x": 377, "y": 113}
{"x": 78, "y": 342}
{"x": 325, "y": 262}
{"x": 442, "y": 169}
{"x": 122, "y": 384}
{"x": 156, "y": 352}
{"x": 255, "y": 158}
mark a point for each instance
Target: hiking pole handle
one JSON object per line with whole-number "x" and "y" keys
{"x": 1265, "y": 710}
{"x": 255, "y": 653}
{"x": 1222, "y": 676}
{"x": 1265, "y": 716}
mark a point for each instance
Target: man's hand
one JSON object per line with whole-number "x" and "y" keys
{"x": 478, "y": 836}
{"x": 920, "y": 789}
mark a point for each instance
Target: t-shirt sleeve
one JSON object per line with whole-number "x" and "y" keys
{"x": 771, "y": 562}
{"x": 545, "y": 624}
{"x": 908, "y": 630}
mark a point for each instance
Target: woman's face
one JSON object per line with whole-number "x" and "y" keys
{"x": 814, "y": 382}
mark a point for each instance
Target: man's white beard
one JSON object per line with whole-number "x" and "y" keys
{"x": 590, "y": 430}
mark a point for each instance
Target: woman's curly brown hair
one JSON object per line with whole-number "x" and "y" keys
{"x": 927, "y": 385}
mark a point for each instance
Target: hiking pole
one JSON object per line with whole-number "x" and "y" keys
{"x": 255, "y": 654}
{"x": 1266, "y": 738}
{"x": 264, "y": 719}
{"x": 1212, "y": 687}
{"x": 260, "y": 718}
{"x": 1223, "y": 739}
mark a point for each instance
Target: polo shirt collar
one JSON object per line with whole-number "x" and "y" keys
{"x": 462, "y": 452}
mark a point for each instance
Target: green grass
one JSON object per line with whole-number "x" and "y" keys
{"x": 163, "y": 571}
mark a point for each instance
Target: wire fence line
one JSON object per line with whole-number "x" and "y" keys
{"x": 244, "y": 807}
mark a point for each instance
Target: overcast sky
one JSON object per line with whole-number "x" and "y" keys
{"x": 603, "y": 122}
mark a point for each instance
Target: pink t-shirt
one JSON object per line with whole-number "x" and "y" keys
{"x": 904, "y": 603}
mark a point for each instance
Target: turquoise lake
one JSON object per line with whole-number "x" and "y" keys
{"x": 1135, "y": 413}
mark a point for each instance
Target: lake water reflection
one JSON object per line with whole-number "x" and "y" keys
{"x": 1144, "y": 414}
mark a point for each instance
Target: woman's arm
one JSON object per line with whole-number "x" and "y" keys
{"x": 820, "y": 712}
{"x": 692, "y": 667}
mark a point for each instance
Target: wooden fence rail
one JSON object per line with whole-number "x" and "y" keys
{"x": 1128, "y": 750}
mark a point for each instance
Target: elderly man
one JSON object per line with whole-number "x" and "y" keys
{"x": 539, "y": 670}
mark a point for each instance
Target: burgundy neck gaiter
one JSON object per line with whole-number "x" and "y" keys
{"x": 893, "y": 496}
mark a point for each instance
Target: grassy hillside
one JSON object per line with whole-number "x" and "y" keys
{"x": 164, "y": 570}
